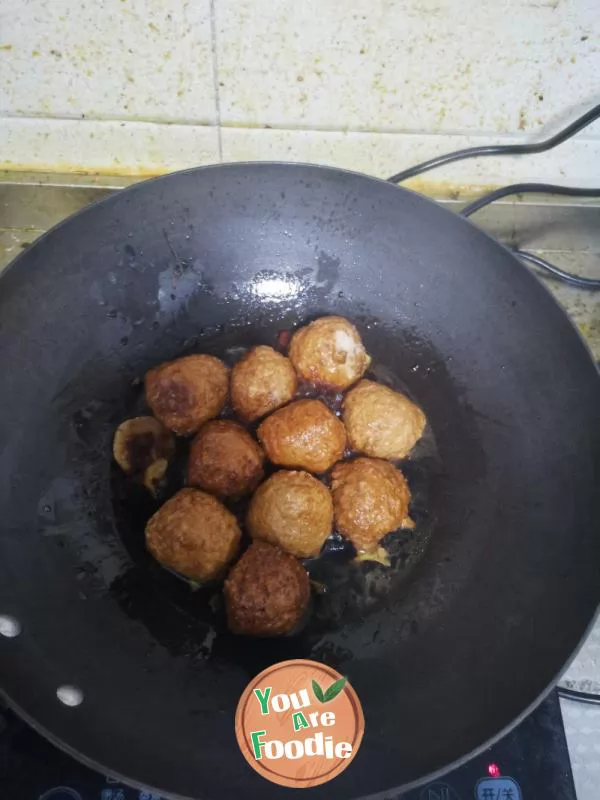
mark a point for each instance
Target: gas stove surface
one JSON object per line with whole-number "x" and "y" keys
{"x": 530, "y": 763}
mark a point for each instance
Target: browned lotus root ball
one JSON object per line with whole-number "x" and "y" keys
{"x": 381, "y": 422}
{"x": 370, "y": 499}
{"x": 304, "y": 434}
{"x": 142, "y": 447}
{"x": 266, "y": 593}
{"x": 292, "y": 510}
{"x": 225, "y": 459}
{"x": 194, "y": 535}
{"x": 261, "y": 381}
{"x": 329, "y": 352}
{"x": 185, "y": 393}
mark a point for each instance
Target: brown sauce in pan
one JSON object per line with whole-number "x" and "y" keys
{"x": 344, "y": 590}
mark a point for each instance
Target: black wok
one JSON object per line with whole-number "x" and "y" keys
{"x": 464, "y": 643}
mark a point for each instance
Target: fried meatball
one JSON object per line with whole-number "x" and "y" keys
{"x": 142, "y": 447}
{"x": 194, "y": 535}
{"x": 261, "y": 381}
{"x": 292, "y": 510}
{"x": 370, "y": 499}
{"x": 185, "y": 393}
{"x": 266, "y": 593}
{"x": 329, "y": 352}
{"x": 304, "y": 434}
{"x": 225, "y": 459}
{"x": 381, "y": 422}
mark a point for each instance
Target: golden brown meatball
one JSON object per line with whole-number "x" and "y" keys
{"x": 225, "y": 459}
{"x": 329, "y": 352}
{"x": 261, "y": 381}
{"x": 266, "y": 593}
{"x": 292, "y": 510}
{"x": 194, "y": 535}
{"x": 381, "y": 422}
{"x": 185, "y": 393}
{"x": 370, "y": 499}
{"x": 142, "y": 448}
{"x": 304, "y": 434}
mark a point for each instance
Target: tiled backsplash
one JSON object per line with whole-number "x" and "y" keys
{"x": 146, "y": 86}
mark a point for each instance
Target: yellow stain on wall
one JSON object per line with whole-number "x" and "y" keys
{"x": 442, "y": 190}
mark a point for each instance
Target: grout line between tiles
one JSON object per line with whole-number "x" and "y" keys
{"x": 486, "y": 136}
{"x": 215, "y": 63}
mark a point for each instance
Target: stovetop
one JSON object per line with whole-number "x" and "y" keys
{"x": 530, "y": 763}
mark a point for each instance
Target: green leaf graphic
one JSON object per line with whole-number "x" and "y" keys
{"x": 318, "y": 692}
{"x": 334, "y": 690}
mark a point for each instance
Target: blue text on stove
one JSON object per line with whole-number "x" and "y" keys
{"x": 498, "y": 789}
{"x": 112, "y": 794}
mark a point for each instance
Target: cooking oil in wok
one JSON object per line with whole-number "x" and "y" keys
{"x": 346, "y": 588}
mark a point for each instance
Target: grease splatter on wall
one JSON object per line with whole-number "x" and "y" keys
{"x": 143, "y": 86}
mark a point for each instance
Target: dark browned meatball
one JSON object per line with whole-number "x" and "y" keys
{"x": 225, "y": 459}
{"x": 261, "y": 381}
{"x": 194, "y": 535}
{"x": 381, "y": 422}
{"x": 329, "y": 352}
{"x": 185, "y": 393}
{"x": 266, "y": 593}
{"x": 292, "y": 510}
{"x": 304, "y": 434}
{"x": 370, "y": 499}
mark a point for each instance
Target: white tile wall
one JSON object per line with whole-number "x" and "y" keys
{"x": 107, "y": 59}
{"x": 115, "y": 148}
{"x": 383, "y": 154}
{"x": 145, "y": 86}
{"x": 405, "y": 66}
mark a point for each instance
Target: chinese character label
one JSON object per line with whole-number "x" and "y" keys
{"x": 498, "y": 789}
{"x": 438, "y": 791}
{"x": 112, "y": 794}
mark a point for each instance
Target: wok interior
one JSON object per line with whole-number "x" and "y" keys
{"x": 343, "y": 591}
{"x": 221, "y": 257}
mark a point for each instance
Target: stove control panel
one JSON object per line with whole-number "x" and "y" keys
{"x": 530, "y": 763}
{"x": 111, "y": 791}
{"x": 61, "y": 793}
{"x": 490, "y": 788}
{"x": 440, "y": 790}
{"x": 498, "y": 789}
